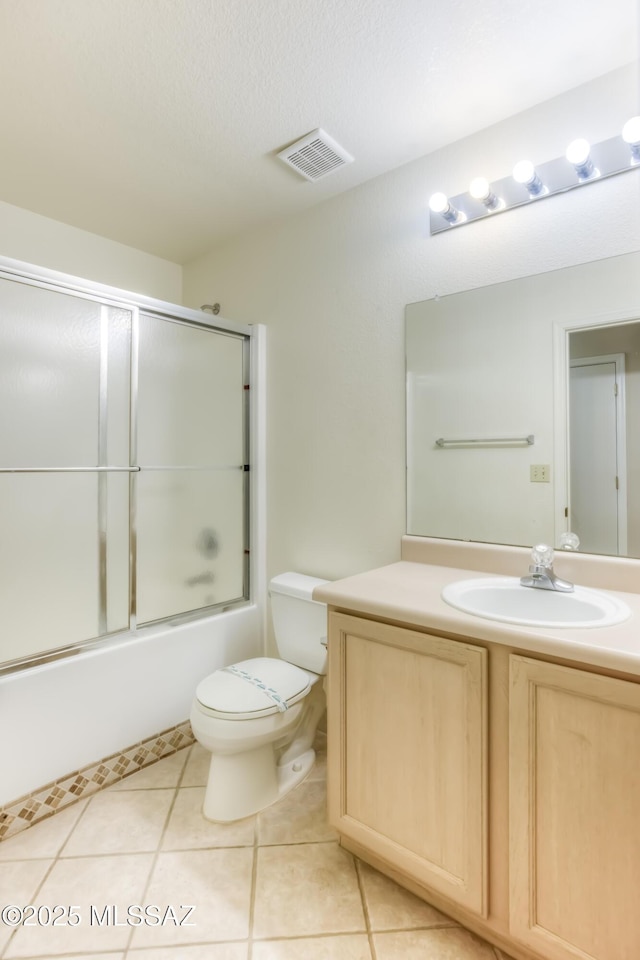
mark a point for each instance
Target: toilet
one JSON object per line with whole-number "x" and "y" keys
{"x": 258, "y": 717}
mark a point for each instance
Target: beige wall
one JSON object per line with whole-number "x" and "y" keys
{"x": 332, "y": 286}
{"x": 57, "y": 246}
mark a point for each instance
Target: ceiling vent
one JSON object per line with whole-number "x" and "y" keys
{"x": 315, "y": 156}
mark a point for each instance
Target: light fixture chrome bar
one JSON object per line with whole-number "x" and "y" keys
{"x": 498, "y": 441}
{"x": 609, "y": 157}
{"x": 69, "y": 469}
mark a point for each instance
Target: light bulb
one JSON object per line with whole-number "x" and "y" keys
{"x": 578, "y": 155}
{"x": 439, "y": 203}
{"x": 631, "y": 131}
{"x": 578, "y": 152}
{"x": 631, "y": 135}
{"x": 480, "y": 189}
{"x": 524, "y": 172}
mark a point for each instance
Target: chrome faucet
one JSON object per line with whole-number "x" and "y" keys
{"x": 541, "y": 573}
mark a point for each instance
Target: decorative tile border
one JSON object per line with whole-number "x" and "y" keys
{"x": 56, "y": 796}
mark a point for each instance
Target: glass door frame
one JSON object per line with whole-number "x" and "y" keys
{"x": 253, "y": 354}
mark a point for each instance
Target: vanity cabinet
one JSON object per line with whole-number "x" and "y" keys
{"x": 408, "y": 734}
{"x": 425, "y": 730}
{"x": 574, "y": 823}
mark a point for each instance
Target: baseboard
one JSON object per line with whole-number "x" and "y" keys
{"x": 57, "y": 796}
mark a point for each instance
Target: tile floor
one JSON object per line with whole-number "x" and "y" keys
{"x": 276, "y": 886}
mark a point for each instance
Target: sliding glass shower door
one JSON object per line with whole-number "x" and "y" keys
{"x": 122, "y": 482}
{"x": 190, "y": 449}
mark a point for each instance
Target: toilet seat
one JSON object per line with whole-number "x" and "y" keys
{"x": 229, "y": 696}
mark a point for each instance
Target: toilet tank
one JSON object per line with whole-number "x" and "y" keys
{"x": 299, "y": 623}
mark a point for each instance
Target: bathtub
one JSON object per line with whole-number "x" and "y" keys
{"x": 60, "y": 716}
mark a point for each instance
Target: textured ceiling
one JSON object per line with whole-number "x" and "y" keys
{"x": 155, "y": 122}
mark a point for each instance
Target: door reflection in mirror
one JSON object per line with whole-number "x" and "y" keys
{"x": 604, "y": 446}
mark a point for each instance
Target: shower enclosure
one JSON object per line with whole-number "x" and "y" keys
{"x": 124, "y": 466}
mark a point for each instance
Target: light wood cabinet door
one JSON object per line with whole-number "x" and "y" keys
{"x": 574, "y": 761}
{"x": 408, "y": 752}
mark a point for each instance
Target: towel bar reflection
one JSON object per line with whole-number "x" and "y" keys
{"x": 487, "y": 441}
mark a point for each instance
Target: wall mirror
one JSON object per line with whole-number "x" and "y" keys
{"x": 523, "y": 400}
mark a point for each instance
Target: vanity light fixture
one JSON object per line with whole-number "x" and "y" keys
{"x": 631, "y": 135}
{"x": 582, "y": 163}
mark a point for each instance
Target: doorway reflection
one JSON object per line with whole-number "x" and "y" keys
{"x": 604, "y": 446}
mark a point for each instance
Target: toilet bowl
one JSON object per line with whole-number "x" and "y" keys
{"x": 259, "y": 717}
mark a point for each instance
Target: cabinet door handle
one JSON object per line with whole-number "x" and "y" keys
{"x": 323, "y": 641}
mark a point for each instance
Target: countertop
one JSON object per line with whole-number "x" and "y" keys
{"x": 410, "y": 592}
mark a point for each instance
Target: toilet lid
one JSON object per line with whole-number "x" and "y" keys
{"x": 242, "y": 697}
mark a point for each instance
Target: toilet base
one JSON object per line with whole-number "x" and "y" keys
{"x": 290, "y": 774}
{"x": 240, "y": 785}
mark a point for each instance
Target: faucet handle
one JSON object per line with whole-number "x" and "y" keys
{"x": 569, "y": 541}
{"x": 542, "y": 555}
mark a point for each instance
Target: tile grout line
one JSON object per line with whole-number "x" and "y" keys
{"x": 158, "y": 849}
{"x": 295, "y": 937}
{"x": 60, "y": 853}
{"x": 253, "y": 888}
{"x": 128, "y": 853}
{"x": 365, "y": 908}
{"x": 54, "y": 860}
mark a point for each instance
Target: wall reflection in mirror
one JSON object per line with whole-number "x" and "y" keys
{"x": 534, "y": 385}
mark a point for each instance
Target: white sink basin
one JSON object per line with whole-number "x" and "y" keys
{"x": 505, "y": 599}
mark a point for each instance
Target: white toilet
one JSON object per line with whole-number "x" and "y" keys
{"x": 259, "y": 717}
